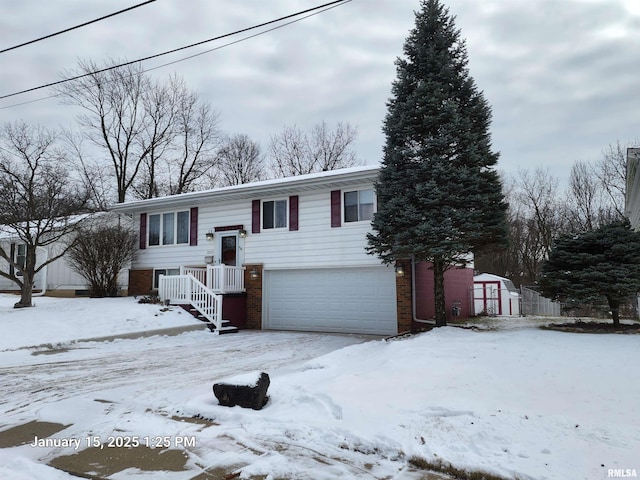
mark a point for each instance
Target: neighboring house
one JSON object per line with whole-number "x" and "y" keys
{"x": 495, "y": 296}
{"x": 632, "y": 199}
{"x": 632, "y": 196}
{"x": 56, "y": 279}
{"x": 282, "y": 254}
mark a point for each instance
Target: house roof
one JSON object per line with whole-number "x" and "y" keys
{"x": 280, "y": 186}
{"x": 10, "y": 232}
{"x": 490, "y": 276}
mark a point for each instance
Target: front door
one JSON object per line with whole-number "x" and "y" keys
{"x": 228, "y": 249}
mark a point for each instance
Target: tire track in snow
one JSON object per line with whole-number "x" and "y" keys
{"x": 154, "y": 364}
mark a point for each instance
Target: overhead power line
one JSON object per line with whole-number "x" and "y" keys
{"x": 77, "y": 26}
{"x": 113, "y": 67}
{"x": 248, "y": 37}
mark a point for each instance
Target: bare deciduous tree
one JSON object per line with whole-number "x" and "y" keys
{"x": 159, "y": 138}
{"x": 539, "y": 212}
{"x": 40, "y": 203}
{"x": 612, "y": 173}
{"x": 294, "y": 152}
{"x": 113, "y": 118}
{"x": 583, "y": 198}
{"x": 596, "y": 192}
{"x": 240, "y": 160}
{"x": 539, "y": 193}
{"x": 197, "y": 137}
{"x": 534, "y": 220}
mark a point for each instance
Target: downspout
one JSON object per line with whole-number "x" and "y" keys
{"x": 43, "y": 290}
{"x": 413, "y": 296}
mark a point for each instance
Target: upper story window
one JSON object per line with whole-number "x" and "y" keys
{"x": 358, "y": 206}
{"x": 169, "y": 228}
{"x": 274, "y": 214}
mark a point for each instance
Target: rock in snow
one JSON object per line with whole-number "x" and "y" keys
{"x": 246, "y": 395}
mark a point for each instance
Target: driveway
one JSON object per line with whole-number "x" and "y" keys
{"x": 96, "y": 389}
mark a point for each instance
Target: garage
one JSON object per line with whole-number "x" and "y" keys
{"x": 344, "y": 300}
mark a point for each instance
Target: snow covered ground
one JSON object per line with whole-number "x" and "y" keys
{"x": 514, "y": 400}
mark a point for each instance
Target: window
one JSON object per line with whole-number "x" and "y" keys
{"x": 21, "y": 258}
{"x": 169, "y": 228}
{"x": 274, "y": 214}
{"x": 358, "y": 206}
{"x": 182, "y": 227}
{"x": 163, "y": 271}
{"x": 21, "y": 255}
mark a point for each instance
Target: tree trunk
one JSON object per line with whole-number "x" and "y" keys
{"x": 614, "y": 305}
{"x": 438, "y": 291}
{"x": 26, "y": 291}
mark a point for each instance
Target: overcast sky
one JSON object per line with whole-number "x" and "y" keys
{"x": 562, "y": 76}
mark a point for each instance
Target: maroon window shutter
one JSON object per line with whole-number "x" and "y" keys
{"x": 193, "y": 227}
{"x": 293, "y": 212}
{"x": 335, "y": 208}
{"x": 143, "y": 231}
{"x": 255, "y": 216}
{"x": 13, "y": 258}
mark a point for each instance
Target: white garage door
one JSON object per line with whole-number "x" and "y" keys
{"x": 347, "y": 300}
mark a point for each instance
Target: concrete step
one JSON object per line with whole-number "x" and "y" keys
{"x": 226, "y": 324}
{"x": 223, "y": 330}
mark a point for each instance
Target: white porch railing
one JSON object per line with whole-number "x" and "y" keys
{"x": 187, "y": 289}
{"x": 219, "y": 278}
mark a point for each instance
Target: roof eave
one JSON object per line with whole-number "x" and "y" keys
{"x": 333, "y": 179}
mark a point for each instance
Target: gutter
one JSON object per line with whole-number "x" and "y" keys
{"x": 43, "y": 290}
{"x": 334, "y": 179}
{"x": 413, "y": 297}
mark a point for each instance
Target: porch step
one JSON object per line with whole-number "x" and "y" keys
{"x": 223, "y": 330}
{"x": 226, "y": 324}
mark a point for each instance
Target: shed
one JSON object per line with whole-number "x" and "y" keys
{"x": 495, "y": 296}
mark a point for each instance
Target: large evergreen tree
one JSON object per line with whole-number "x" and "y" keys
{"x": 439, "y": 196}
{"x": 592, "y": 266}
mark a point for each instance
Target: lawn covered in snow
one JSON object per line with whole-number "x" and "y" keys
{"x": 516, "y": 401}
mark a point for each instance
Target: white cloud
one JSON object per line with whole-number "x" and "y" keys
{"x": 560, "y": 76}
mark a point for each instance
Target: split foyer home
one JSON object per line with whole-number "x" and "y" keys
{"x": 283, "y": 254}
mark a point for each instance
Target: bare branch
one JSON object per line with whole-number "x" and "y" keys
{"x": 294, "y": 152}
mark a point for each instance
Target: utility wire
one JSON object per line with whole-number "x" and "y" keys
{"x": 286, "y": 17}
{"x": 197, "y": 54}
{"x": 244, "y": 38}
{"x": 77, "y": 26}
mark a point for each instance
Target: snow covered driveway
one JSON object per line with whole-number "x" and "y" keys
{"x": 148, "y": 368}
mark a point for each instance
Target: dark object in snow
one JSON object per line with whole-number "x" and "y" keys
{"x": 246, "y": 396}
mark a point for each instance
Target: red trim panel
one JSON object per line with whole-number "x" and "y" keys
{"x": 336, "y": 206}
{"x": 143, "y": 231}
{"x": 193, "y": 227}
{"x": 255, "y": 216}
{"x": 293, "y": 212}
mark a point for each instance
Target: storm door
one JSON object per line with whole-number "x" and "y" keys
{"x": 228, "y": 249}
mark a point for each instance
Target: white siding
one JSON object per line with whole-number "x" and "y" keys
{"x": 58, "y": 266}
{"x": 60, "y": 276}
{"x": 315, "y": 244}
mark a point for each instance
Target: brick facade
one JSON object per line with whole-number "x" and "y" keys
{"x": 404, "y": 298}
{"x": 253, "y": 288}
{"x": 140, "y": 282}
